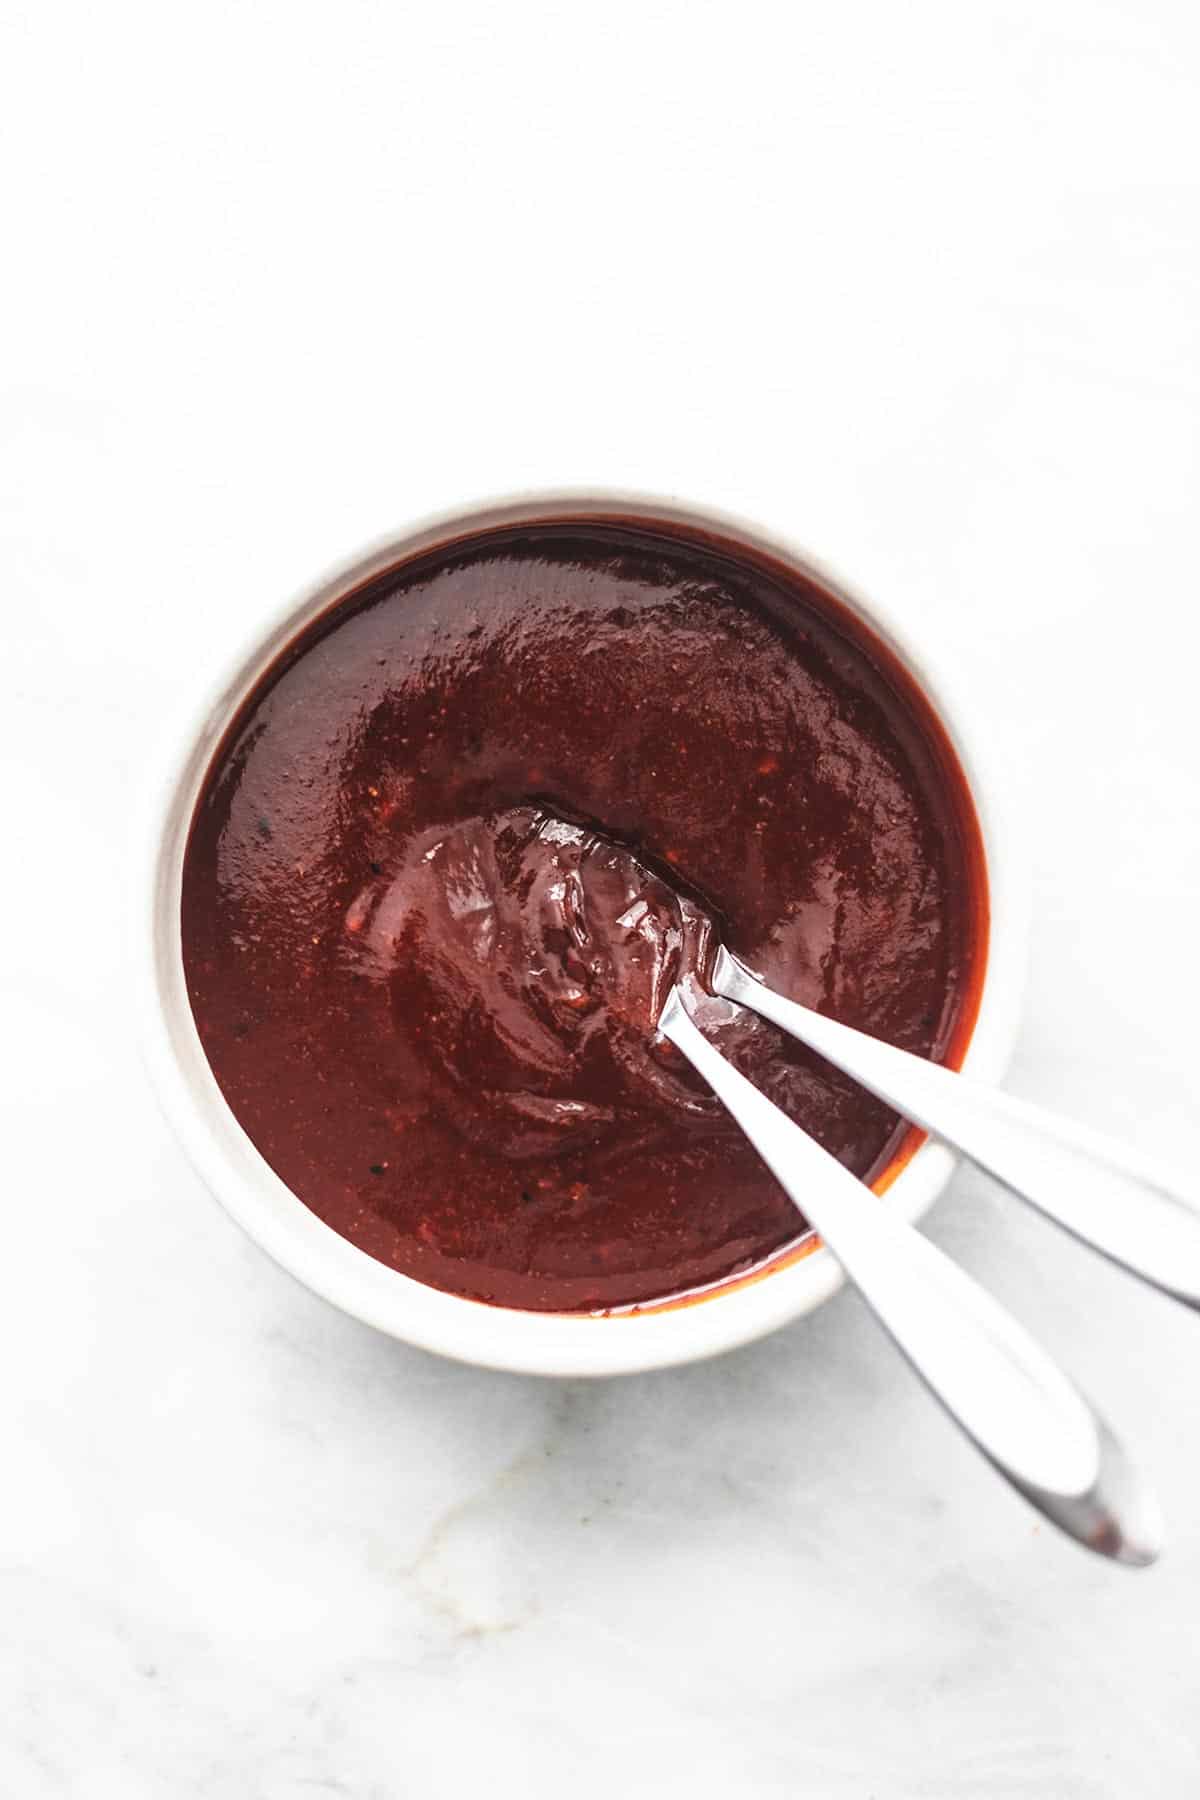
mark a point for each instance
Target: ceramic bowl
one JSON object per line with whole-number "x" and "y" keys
{"x": 499, "y": 1337}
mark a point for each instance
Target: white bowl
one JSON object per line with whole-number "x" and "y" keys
{"x": 249, "y": 1189}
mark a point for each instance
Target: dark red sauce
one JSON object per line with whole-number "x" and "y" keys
{"x": 467, "y": 831}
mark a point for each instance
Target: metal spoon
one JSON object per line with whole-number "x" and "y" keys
{"x": 1093, "y": 1187}
{"x": 1002, "y": 1389}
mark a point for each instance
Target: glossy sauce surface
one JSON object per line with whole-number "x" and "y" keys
{"x": 465, "y": 834}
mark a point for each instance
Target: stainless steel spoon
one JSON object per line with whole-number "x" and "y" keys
{"x": 1002, "y": 1389}
{"x": 1093, "y": 1187}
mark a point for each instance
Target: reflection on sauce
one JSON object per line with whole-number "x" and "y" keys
{"x": 468, "y": 831}
{"x": 528, "y": 961}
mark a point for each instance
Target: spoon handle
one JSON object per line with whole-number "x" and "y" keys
{"x": 1077, "y": 1177}
{"x": 989, "y": 1374}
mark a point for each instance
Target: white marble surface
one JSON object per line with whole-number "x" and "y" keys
{"x": 919, "y": 284}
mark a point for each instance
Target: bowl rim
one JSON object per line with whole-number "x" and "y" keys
{"x": 238, "y": 1176}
